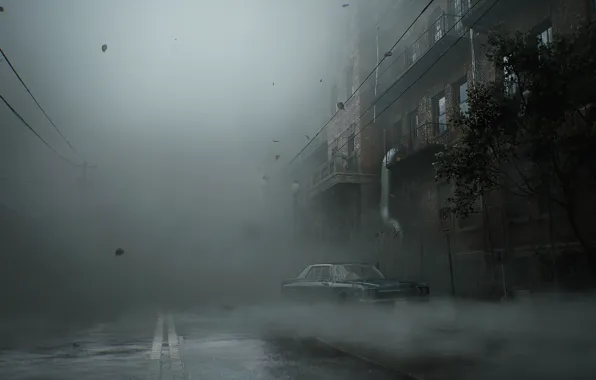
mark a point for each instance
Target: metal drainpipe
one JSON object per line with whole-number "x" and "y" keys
{"x": 377, "y": 69}
{"x": 473, "y": 55}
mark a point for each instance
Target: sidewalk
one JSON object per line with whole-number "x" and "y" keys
{"x": 423, "y": 367}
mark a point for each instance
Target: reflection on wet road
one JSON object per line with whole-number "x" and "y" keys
{"x": 179, "y": 347}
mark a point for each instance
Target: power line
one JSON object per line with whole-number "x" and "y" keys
{"x": 33, "y": 131}
{"x": 414, "y": 82}
{"x": 36, "y": 102}
{"x": 362, "y": 83}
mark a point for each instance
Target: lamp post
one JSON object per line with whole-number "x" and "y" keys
{"x": 295, "y": 189}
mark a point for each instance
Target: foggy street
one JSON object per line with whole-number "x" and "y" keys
{"x": 298, "y": 189}
{"x": 186, "y": 346}
{"x": 304, "y": 342}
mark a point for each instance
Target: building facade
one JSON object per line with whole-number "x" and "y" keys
{"x": 373, "y": 186}
{"x": 494, "y": 250}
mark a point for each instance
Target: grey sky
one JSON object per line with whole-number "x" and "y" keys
{"x": 184, "y": 92}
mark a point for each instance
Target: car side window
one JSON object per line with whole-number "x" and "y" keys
{"x": 313, "y": 274}
{"x": 325, "y": 274}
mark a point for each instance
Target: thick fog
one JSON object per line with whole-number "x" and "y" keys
{"x": 176, "y": 119}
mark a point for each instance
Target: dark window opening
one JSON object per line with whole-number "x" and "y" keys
{"x": 413, "y": 122}
{"x": 461, "y": 95}
{"x": 440, "y": 112}
{"x": 351, "y": 144}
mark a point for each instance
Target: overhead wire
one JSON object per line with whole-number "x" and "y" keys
{"x": 34, "y": 132}
{"x": 374, "y": 27}
{"x": 362, "y": 83}
{"x": 413, "y": 83}
{"x": 14, "y": 70}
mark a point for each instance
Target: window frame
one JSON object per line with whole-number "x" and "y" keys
{"x": 413, "y": 128}
{"x": 458, "y": 93}
{"x": 439, "y": 113}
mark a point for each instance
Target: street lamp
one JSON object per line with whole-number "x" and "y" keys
{"x": 295, "y": 189}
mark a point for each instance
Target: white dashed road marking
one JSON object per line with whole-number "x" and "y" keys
{"x": 173, "y": 341}
{"x": 178, "y": 370}
{"x": 157, "y": 339}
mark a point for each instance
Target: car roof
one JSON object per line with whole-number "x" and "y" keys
{"x": 342, "y": 263}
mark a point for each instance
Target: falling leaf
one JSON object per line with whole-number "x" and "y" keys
{"x": 119, "y": 252}
{"x": 321, "y": 80}
{"x": 388, "y": 54}
{"x": 341, "y": 106}
{"x": 273, "y": 84}
{"x": 104, "y": 48}
{"x": 307, "y": 137}
{"x": 277, "y": 157}
{"x": 345, "y": 5}
{"x": 275, "y": 141}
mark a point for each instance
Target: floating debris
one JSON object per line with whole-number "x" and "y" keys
{"x": 388, "y": 54}
{"x": 277, "y": 156}
{"x": 119, "y": 252}
{"x": 275, "y": 141}
{"x": 104, "y": 48}
{"x": 307, "y": 137}
{"x": 341, "y": 106}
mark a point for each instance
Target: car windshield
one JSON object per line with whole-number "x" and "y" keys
{"x": 350, "y": 272}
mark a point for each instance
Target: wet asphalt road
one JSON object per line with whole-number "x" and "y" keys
{"x": 179, "y": 346}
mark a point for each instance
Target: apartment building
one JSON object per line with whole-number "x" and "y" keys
{"x": 444, "y": 53}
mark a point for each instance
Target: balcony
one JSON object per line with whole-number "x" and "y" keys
{"x": 338, "y": 170}
{"x": 442, "y": 35}
{"x": 425, "y": 136}
{"x": 485, "y": 14}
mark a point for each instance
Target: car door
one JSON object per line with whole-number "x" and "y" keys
{"x": 309, "y": 289}
{"x": 325, "y": 282}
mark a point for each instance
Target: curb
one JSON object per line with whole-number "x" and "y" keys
{"x": 369, "y": 360}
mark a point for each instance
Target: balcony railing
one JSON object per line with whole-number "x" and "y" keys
{"x": 425, "y": 135}
{"x": 446, "y": 27}
{"x": 337, "y": 165}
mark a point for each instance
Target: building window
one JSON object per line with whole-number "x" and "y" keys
{"x": 461, "y": 95}
{"x": 413, "y": 123}
{"x": 439, "y": 29}
{"x": 351, "y": 144}
{"x": 510, "y": 79}
{"x": 440, "y": 112}
{"x": 414, "y": 50}
{"x": 546, "y": 37}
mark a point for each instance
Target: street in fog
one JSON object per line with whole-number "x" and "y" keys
{"x": 441, "y": 341}
{"x": 195, "y": 347}
{"x": 297, "y": 189}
